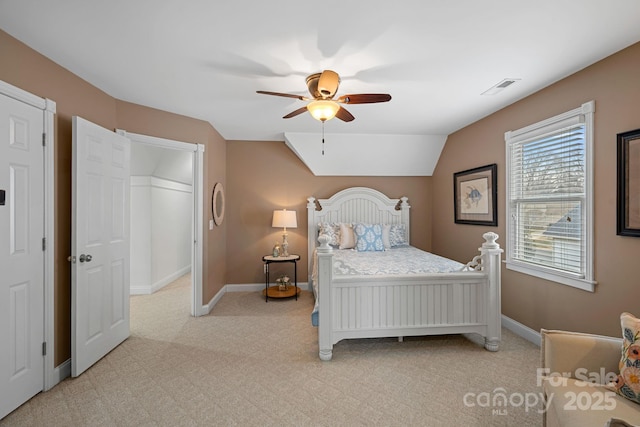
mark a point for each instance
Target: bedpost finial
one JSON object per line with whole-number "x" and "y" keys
{"x": 313, "y": 204}
{"x": 490, "y": 240}
{"x": 324, "y": 243}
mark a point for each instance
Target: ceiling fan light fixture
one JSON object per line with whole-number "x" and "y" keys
{"x": 323, "y": 110}
{"x": 328, "y": 83}
{"x": 323, "y": 87}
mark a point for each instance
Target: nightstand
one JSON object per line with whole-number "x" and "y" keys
{"x": 274, "y": 291}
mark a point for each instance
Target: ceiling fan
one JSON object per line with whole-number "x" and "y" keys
{"x": 323, "y": 87}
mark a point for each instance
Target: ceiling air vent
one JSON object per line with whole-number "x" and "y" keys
{"x": 500, "y": 86}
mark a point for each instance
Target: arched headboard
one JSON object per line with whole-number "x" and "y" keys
{"x": 352, "y": 205}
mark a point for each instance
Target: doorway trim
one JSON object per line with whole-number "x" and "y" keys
{"x": 198, "y": 186}
{"x": 48, "y": 108}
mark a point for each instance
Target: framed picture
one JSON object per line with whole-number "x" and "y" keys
{"x": 475, "y": 196}
{"x": 628, "y": 223}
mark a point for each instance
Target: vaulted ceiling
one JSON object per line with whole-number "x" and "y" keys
{"x": 206, "y": 59}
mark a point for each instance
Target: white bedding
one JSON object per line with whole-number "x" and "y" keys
{"x": 393, "y": 262}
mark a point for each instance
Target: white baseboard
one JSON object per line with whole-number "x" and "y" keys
{"x": 247, "y": 287}
{"x": 139, "y": 289}
{"x": 524, "y": 331}
{"x": 206, "y": 309}
{"x": 59, "y": 373}
{"x": 244, "y": 287}
{"x": 154, "y": 287}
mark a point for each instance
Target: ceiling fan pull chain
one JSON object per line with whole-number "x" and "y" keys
{"x": 323, "y": 138}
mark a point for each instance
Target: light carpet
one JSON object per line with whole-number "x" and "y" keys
{"x": 251, "y": 363}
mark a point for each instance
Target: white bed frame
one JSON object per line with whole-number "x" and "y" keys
{"x": 407, "y": 305}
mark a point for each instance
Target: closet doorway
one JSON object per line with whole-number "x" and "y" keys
{"x": 166, "y": 215}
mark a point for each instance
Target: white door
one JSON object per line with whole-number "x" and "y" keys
{"x": 21, "y": 253}
{"x": 99, "y": 244}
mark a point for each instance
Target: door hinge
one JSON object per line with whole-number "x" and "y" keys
{"x": 44, "y": 348}
{"x": 44, "y": 139}
{"x": 44, "y": 244}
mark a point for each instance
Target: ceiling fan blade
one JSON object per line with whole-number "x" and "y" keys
{"x": 328, "y": 84}
{"x": 364, "y": 98}
{"x": 286, "y": 95}
{"x": 344, "y": 115}
{"x": 295, "y": 113}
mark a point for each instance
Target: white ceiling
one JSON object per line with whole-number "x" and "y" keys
{"x": 207, "y": 58}
{"x": 367, "y": 155}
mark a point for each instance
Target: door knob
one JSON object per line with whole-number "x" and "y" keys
{"x": 84, "y": 258}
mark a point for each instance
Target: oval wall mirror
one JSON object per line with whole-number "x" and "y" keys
{"x": 217, "y": 203}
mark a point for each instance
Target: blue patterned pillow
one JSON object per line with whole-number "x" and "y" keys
{"x": 397, "y": 235}
{"x": 394, "y": 235}
{"x": 368, "y": 237}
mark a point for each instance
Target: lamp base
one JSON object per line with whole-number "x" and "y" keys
{"x": 285, "y": 245}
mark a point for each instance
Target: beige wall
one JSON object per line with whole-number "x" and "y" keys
{"x": 28, "y": 70}
{"x": 263, "y": 176}
{"x": 614, "y": 85}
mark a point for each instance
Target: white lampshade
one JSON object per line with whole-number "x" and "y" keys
{"x": 284, "y": 219}
{"x": 323, "y": 110}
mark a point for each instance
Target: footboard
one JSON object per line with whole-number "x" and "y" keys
{"x": 410, "y": 305}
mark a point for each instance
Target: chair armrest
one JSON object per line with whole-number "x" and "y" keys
{"x": 568, "y": 353}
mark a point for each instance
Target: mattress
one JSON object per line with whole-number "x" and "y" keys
{"x": 401, "y": 260}
{"x": 395, "y": 261}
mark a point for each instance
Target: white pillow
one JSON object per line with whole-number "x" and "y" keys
{"x": 347, "y": 238}
{"x": 385, "y": 235}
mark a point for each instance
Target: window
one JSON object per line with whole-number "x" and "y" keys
{"x": 549, "y": 198}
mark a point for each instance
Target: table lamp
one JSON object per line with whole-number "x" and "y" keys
{"x": 283, "y": 219}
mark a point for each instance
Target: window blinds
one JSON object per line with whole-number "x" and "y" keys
{"x": 547, "y": 199}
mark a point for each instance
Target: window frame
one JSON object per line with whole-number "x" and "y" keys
{"x": 581, "y": 115}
